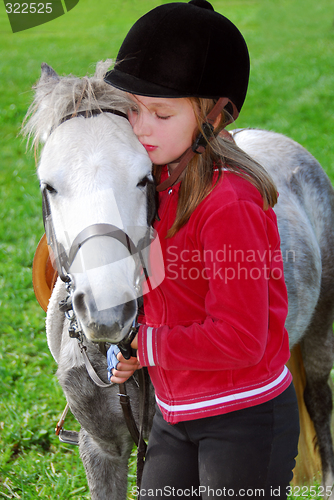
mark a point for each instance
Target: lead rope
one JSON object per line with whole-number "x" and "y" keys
{"x": 141, "y": 447}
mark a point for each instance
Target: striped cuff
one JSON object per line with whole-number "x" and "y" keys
{"x": 147, "y": 346}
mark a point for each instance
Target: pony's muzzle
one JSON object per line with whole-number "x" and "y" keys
{"x": 108, "y": 325}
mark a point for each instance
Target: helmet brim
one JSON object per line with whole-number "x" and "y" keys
{"x": 137, "y": 86}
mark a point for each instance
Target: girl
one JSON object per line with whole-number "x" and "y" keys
{"x": 214, "y": 340}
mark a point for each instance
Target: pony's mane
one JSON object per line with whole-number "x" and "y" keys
{"x": 57, "y": 97}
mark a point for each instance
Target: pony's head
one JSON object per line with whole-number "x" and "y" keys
{"x": 98, "y": 197}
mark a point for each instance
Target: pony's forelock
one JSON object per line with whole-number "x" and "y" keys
{"x": 57, "y": 97}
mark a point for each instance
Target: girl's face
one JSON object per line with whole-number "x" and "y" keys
{"x": 164, "y": 126}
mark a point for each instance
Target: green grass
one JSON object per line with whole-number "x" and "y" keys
{"x": 291, "y": 91}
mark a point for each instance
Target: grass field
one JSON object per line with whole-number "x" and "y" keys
{"x": 291, "y": 91}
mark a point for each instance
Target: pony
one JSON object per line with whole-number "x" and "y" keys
{"x": 93, "y": 172}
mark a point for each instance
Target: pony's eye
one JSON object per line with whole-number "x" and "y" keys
{"x": 50, "y": 189}
{"x": 144, "y": 181}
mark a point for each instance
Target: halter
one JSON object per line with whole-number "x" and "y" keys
{"x": 92, "y": 112}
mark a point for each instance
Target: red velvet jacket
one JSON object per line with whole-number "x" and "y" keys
{"x": 214, "y": 338}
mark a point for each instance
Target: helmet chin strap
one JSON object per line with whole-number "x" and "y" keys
{"x": 198, "y": 147}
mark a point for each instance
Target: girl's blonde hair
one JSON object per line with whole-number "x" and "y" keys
{"x": 219, "y": 154}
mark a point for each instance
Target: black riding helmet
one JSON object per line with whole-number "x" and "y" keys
{"x": 183, "y": 50}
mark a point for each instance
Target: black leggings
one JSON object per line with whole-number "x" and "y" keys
{"x": 245, "y": 453}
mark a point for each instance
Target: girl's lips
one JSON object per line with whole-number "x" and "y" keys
{"x": 149, "y": 147}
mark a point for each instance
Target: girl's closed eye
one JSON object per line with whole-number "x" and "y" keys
{"x": 162, "y": 117}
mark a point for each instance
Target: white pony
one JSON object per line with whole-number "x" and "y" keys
{"x": 94, "y": 174}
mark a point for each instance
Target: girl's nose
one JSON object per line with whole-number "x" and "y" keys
{"x": 139, "y": 123}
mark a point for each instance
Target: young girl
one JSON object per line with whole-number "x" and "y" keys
{"x": 214, "y": 340}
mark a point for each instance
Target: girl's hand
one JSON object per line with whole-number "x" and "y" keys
{"x": 119, "y": 368}
{"x": 125, "y": 369}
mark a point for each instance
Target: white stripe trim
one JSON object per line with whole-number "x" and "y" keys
{"x": 149, "y": 346}
{"x": 225, "y": 399}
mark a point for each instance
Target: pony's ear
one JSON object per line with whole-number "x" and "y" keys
{"x": 42, "y": 110}
{"x": 48, "y": 73}
{"x": 48, "y": 80}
